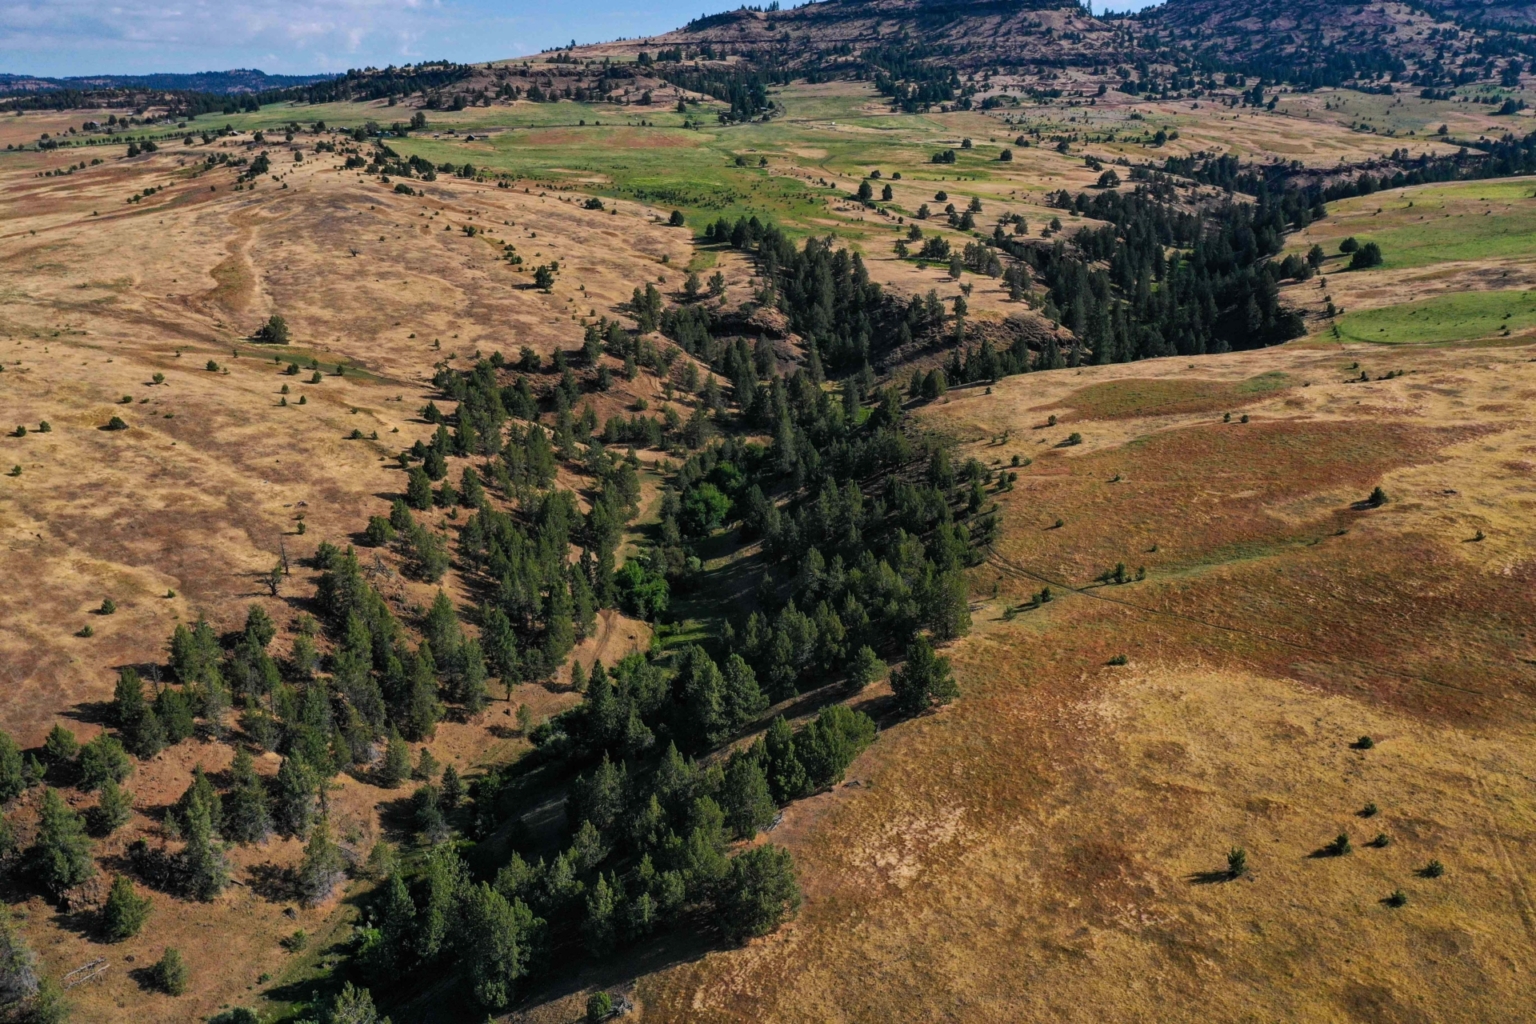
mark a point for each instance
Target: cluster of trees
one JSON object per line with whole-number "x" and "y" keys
{"x": 744, "y": 88}
{"x": 1157, "y": 280}
{"x": 825, "y": 291}
{"x": 1306, "y": 190}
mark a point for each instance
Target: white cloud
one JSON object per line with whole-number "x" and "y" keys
{"x": 82, "y": 37}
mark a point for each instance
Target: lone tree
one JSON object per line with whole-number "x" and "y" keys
{"x": 170, "y": 973}
{"x": 925, "y": 679}
{"x": 125, "y": 912}
{"x": 273, "y": 332}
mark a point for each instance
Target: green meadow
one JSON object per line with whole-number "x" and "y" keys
{"x": 1419, "y": 227}
{"x": 1446, "y": 318}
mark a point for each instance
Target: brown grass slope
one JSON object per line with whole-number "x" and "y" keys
{"x": 1052, "y": 846}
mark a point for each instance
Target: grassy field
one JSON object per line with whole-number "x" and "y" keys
{"x": 1049, "y": 846}
{"x": 1432, "y": 224}
{"x": 1055, "y": 840}
{"x": 1446, "y": 318}
{"x": 1126, "y": 398}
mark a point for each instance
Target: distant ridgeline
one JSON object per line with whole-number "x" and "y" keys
{"x": 226, "y": 92}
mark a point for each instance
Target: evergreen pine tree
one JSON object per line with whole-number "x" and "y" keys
{"x": 247, "y": 818}
{"x": 786, "y": 775}
{"x": 743, "y": 699}
{"x": 744, "y": 796}
{"x": 397, "y": 761}
{"x": 113, "y": 808}
{"x": 125, "y": 911}
{"x": 60, "y": 858}
{"x": 294, "y": 806}
{"x": 203, "y": 859}
{"x": 452, "y": 788}
{"x": 924, "y": 680}
{"x": 322, "y": 868}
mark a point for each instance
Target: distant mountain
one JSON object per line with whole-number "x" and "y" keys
{"x": 964, "y": 33}
{"x": 1516, "y": 14}
{"x": 1433, "y": 43}
{"x": 239, "y": 80}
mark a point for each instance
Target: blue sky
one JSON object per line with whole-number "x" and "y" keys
{"x": 79, "y": 37}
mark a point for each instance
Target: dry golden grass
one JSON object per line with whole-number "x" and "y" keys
{"x": 175, "y": 517}
{"x": 1050, "y": 846}
{"x": 1031, "y": 852}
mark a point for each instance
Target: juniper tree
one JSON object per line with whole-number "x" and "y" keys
{"x": 174, "y": 713}
{"x": 128, "y": 704}
{"x": 170, "y": 972}
{"x": 759, "y": 893}
{"x": 60, "y": 747}
{"x": 397, "y": 761}
{"x": 60, "y": 858}
{"x": 247, "y": 817}
{"x": 497, "y": 938}
{"x": 114, "y": 808}
{"x": 322, "y": 867}
{"x": 103, "y": 759}
{"x": 203, "y": 858}
{"x": 125, "y": 911}
{"x": 13, "y": 775}
{"x": 924, "y": 680}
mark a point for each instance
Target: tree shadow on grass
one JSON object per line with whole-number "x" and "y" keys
{"x": 272, "y": 883}
{"x": 1210, "y": 877}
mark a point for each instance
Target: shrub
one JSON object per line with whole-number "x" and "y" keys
{"x": 1381, "y": 841}
{"x": 1367, "y": 256}
{"x": 1369, "y": 811}
{"x": 1340, "y": 845}
{"x": 108, "y": 606}
{"x": 1237, "y": 862}
{"x": 599, "y": 1007}
{"x": 1397, "y": 899}
{"x": 1120, "y": 659}
{"x": 170, "y": 973}
{"x": 116, "y": 423}
{"x": 273, "y": 332}
{"x": 1364, "y": 742}
{"x": 1434, "y": 869}
{"x": 1074, "y": 439}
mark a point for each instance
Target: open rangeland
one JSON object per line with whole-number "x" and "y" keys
{"x": 1063, "y": 828}
{"x": 1190, "y": 617}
